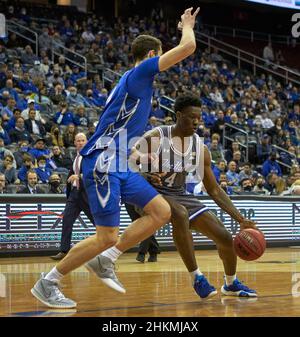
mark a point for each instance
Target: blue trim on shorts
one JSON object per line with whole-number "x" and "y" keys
{"x": 198, "y": 213}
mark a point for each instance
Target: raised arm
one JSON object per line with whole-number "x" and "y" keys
{"x": 187, "y": 45}
{"x": 219, "y": 196}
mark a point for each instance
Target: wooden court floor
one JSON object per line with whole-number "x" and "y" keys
{"x": 158, "y": 289}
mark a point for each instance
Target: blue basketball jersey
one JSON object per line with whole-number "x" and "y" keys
{"x": 127, "y": 108}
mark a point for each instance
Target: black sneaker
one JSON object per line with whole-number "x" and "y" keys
{"x": 140, "y": 257}
{"x": 152, "y": 258}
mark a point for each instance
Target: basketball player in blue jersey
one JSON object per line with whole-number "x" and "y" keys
{"x": 105, "y": 174}
{"x": 179, "y": 149}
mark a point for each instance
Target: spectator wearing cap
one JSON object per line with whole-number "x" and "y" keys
{"x": 263, "y": 149}
{"x": 8, "y": 111}
{"x": 75, "y": 99}
{"x": 31, "y": 105}
{"x": 35, "y": 127}
{"x": 39, "y": 149}
{"x": 19, "y": 132}
{"x": 42, "y": 171}
{"x": 36, "y": 73}
{"x": 4, "y": 134}
{"x": 64, "y": 116}
{"x": 77, "y": 75}
{"x": 26, "y": 85}
{"x": 271, "y": 166}
{"x": 232, "y": 175}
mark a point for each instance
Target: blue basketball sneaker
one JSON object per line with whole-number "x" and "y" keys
{"x": 203, "y": 288}
{"x": 237, "y": 288}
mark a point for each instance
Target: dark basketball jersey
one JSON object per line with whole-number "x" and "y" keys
{"x": 174, "y": 163}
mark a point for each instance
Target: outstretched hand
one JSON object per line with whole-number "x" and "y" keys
{"x": 188, "y": 19}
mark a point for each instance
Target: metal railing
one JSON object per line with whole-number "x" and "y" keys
{"x": 248, "y": 34}
{"x": 280, "y": 149}
{"x": 165, "y": 107}
{"x": 59, "y": 49}
{"x": 228, "y": 126}
{"x": 24, "y": 32}
{"x": 256, "y": 62}
{"x": 110, "y": 76}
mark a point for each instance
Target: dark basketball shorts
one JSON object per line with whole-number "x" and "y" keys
{"x": 193, "y": 205}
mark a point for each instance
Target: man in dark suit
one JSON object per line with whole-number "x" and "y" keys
{"x": 34, "y": 126}
{"x": 77, "y": 200}
{"x": 31, "y": 186}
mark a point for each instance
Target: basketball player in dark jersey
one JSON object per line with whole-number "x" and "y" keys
{"x": 174, "y": 150}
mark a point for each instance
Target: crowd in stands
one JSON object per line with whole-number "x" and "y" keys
{"x": 43, "y": 104}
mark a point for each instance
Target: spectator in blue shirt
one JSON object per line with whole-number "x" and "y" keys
{"x": 27, "y": 165}
{"x": 39, "y": 149}
{"x": 76, "y": 99}
{"x": 271, "y": 166}
{"x": 91, "y": 100}
{"x": 232, "y": 175}
{"x": 8, "y": 111}
{"x": 64, "y": 117}
{"x": 9, "y": 86}
{"x": 11, "y": 124}
{"x": 42, "y": 171}
{"x": 219, "y": 168}
{"x": 156, "y": 111}
{"x": 77, "y": 75}
{"x": 81, "y": 119}
{"x": 26, "y": 85}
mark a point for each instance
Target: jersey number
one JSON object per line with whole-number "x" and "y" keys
{"x": 170, "y": 180}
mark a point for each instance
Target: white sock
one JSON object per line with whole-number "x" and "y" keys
{"x": 229, "y": 279}
{"x": 112, "y": 253}
{"x": 194, "y": 273}
{"x": 54, "y": 275}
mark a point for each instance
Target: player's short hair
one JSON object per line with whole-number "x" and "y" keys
{"x": 185, "y": 101}
{"x": 142, "y": 44}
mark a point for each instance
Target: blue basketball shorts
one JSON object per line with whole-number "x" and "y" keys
{"x": 106, "y": 191}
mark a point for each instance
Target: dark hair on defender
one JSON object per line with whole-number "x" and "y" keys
{"x": 185, "y": 101}
{"x": 142, "y": 44}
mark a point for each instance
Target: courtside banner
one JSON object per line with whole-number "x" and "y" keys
{"x": 34, "y": 223}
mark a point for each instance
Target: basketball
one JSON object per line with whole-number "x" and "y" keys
{"x": 249, "y": 244}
